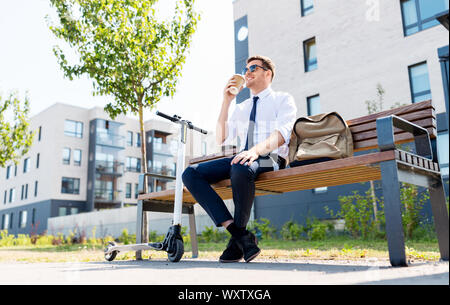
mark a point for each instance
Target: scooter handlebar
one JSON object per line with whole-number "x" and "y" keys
{"x": 176, "y": 118}
{"x": 173, "y": 119}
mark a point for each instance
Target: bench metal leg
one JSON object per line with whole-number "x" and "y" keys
{"x": 393, "y": 214}
{"x": 193, "y": 232}
{"x": 139, "y": 227}
{"x": 440, "y": 215}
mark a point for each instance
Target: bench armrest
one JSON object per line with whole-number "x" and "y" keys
{"x": 385, "y": 135}
{"x": 141, "y": 182}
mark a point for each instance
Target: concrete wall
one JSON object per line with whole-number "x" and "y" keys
{"x": 112, "y": 222}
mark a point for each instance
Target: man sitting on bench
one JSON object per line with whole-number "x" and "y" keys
{"x": 263, "y": 123}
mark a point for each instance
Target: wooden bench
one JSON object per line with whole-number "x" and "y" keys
{"x": 380, "y": 131}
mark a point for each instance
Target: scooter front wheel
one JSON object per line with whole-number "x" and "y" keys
{"x": 112, "y": 255}
{"x": 178, "y": 252}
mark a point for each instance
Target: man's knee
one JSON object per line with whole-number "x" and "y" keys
{"x": 239, "y": 171}
{"x": 188, "y": 175}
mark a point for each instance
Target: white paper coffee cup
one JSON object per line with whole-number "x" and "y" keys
{"x": 240, "y": 81}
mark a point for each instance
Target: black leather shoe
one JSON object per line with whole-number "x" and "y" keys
{"x": 248, "y": 244}
{"x": 232, "y": 253}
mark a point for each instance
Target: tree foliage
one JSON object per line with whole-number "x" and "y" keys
{"x": 15, "y": 136}
{"x": 123, "y": 46}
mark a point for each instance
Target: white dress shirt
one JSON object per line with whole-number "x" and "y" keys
{"x": 274, "y": 111}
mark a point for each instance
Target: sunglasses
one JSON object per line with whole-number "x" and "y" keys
{"x": 252, "y": 68}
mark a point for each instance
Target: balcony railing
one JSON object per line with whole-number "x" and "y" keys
{"x": 109, "y": 167}
{"x": 106, "y": 194}
{"x": 110, "y": 139}
{"x": 161, "y": 148}
{"x": 163, "y": 171}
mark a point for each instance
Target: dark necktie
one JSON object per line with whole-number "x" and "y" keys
{"x": 251, "y": 125}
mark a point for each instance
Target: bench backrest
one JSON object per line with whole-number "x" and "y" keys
{"x": 364, "y": 128}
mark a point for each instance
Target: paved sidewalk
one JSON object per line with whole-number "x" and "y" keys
{"x": 207, "y": 272}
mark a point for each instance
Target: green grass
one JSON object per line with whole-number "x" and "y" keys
{"x": 333, "y": 248}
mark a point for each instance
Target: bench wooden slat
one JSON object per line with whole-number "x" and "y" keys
{"x": 396, "y": 111}
{"x": 421, "y": 119}
{"x": 428, "y": 124}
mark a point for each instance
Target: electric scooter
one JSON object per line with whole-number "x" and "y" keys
{"x": 173, "y": 242}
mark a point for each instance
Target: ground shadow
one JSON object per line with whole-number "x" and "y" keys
{"x": 255, "y": 265}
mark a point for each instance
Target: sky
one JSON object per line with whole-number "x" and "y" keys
{"x": 27, "y": 63}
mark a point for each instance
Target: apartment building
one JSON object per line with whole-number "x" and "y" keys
{"x": 331, "y": 56}
{"x": 82, "y": 161}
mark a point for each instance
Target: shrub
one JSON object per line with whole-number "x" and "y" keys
{"x": 212, "y": 234}
{"x": 6, "y": 240}
{"x": 126, "y": 238}
{"x": 318, "y": 230}
{"x": 262, "y": 228}
{"x": 291, "y": 231}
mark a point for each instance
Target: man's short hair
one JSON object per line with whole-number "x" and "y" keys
{"x": 266, "y": 62}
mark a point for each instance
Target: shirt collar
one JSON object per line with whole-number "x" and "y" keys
{"x": 263, "y": 93}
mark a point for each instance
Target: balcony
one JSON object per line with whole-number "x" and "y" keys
{"x": 163, "y": 171}
{"x": 163, "y": 149}
{"x": 109, "y": 167}
{"x": 104, "y": 138}
{"x": 106, "y": 195}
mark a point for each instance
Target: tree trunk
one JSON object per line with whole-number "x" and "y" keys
{"x": 143, "y": 167}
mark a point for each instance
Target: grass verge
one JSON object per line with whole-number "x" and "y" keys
{"x": 336, "y": 248}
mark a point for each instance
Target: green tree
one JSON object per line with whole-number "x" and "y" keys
{"x": 15, "y": 136}
{"x": 126, "y": 49}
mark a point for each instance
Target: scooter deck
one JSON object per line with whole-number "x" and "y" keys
{"x": 135, "y": 247}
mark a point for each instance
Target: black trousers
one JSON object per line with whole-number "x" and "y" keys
{"x": 199, "y": 177}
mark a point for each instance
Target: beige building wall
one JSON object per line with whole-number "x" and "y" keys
{"x": 359, "y": 44}
{"x": 53, "y": 141}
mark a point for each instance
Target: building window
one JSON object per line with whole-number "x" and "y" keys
{"x": 39, "y": 133}
{"x": 15, "y": 170}
{"x": 5, "y": 197}
{"x": 307, "y": 7}
{"x": 77, "y": 157}
{"x": 133, "y": 164}
{"x": 310, "y": 56}
{"x": 320, "y": 190}
{"x": 62, "y": 211}
{"x": 5, "y": 221}
{"x": 70, "y": 185}
{"x": 22, "y": 219}
{"x": 136, "y": 190}
{"x": 138, "y": 139}
{"x": 419, "y": 82}
{"x": 73, "y": 129}
{"x": 38, "y": 157}
{"x": 128, "y": 190}
{"x": 418, "y": 15}
{"x": 12, "y": 195}
{"x": 442, "y": 149}
{"x": 313, "y": 104}
{"x": 35, "y": 188}
{"x": 33, "y": 216}
{"x": 129, "y": 138}
{"x": 26, "y": 165}
{"x": 66, "y": 155}
{"x": 22, "y": 192}
{"x": 8, "y": 171}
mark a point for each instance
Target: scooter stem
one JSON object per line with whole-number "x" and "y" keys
{"x": 178, "y": 204}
